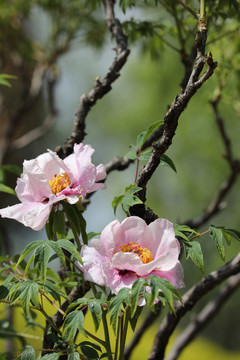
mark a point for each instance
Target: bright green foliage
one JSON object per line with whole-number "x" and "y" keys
{"x": 53, "y": 356}
{"x": 3, "y": 79}
{"x": 216, "y": 235}
{"x": 135, "y": 293}
{"x": 116, "y": 306}
{"x": 72, "y": 323}
{"x": 128, "y": 199}
{"x": 193, "y": 251}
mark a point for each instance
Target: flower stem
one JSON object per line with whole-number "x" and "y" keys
{"x": 106, "y": 333}
{"x": 124, "y": 333}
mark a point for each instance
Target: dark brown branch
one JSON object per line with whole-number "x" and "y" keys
{"x": 190, "y": 299}
{"x": 205, "y": 316}
{"x": 100, "y": 88}
{"x": 176, "y": 109}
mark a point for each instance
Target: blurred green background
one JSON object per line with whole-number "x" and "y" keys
{"x": 146, "y": 87}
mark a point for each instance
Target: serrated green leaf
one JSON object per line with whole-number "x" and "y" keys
{"x": 135, "y": 318}
{"x": 194, "y": 252}
{"x": 49, "y": 226}
{"x": 67, "y": 245}
{"x": 41, "y": 258}
{"x": 25, "y": 292}
{"x": 116, "y": 306}
{"x": 96, "y": 311}
{"x": 58, "y": 250}
{"x": 54, "y": 290}
{"x": 91, "y": 344}
{"x": 166, "y": 161}
{"x": 30, "y": 247}
{"x": 130, "y": 200}
{"x": 28, "y": 353}
{"x": 73, "y": 322}
{"x": 116, "y": 201}
{"x": 7, "y": 189}
{"x": 135, "y": 292}
{"x": 216, "y": 235}
{"x": 184, "y": 231}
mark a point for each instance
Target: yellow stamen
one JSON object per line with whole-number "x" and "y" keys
{"x": 144, "y": 254}
{"x": 59, "y": 183}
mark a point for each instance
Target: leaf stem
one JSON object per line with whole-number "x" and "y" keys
{"x": 199, "y": 235}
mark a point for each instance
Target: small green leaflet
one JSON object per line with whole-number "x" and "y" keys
{"x": 74, "y": 356}
{"x": 128, "y": 199}
{"x": 73, "y": 322}
{"x": 194, "y": 252}
{"x": 3, "y": 80}
{"x": 53, "y": 356}
{"x": 126, "y": 3}
{"x": 166, "y": 161}
{"x": 96, "y": 311}
{"x": 184, "y": 231}
{"x": 41, "y": 259}
{"x": 216, "y": 234}
{"x": 145, "y": 134}
{"x": 25, "y": 292}
{"x": 135, "y": 292}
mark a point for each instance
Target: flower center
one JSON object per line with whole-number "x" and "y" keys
{"x": 59, "y": 183}
{"x": 144, "y": 254}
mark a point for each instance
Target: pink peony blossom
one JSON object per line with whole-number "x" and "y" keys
{"x": 48, "y": 179}
{"x": 133, "y": 249}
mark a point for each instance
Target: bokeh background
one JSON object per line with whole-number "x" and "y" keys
{"x": 32, "y": 33}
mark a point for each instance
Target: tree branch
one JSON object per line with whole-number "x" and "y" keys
{"x": 205, "y": 316}
{"x": 100, "y": 88}
{"x": 190, "y": 299}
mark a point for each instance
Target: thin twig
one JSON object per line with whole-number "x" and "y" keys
{"x": 188, "y": 8}
{"x": 100, "y": 88}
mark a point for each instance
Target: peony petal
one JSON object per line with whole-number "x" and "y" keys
{"x": 108, "y": 237}
{"x": 132, "y": 229}
{"x": 126, "y": 261}
{"x": 34, "y": 215}
{"x": 92, "y": 265}
{"x": 175, "y": 275}
{"x": 100, "y": 172}
{"x": 115, "y": 281}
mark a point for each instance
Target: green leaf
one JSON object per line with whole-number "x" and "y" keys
{"x": 194, "y": 252}
{"x": 233, "y": 233}
{"x": 89, "y": 352}
{"x": 184, "y": 231}
{"x": 54, "y": 290}
{"x": 145, "y": 134}
{"x": 83, "y": 226}
{"x": 28, "y": 353}
{"x": 3, "y": 80}
{"x": 74, "y": 356}
{"x": 166, "y": 161}
{"x": 166, "y": 288}
{"x": 67, "y": 245}
{"x": 145, "y": 155}
{"x": 49, "y": 226}
{"x": 58, "y": 250}
{"x": 96, "y": 311}
{"x": 135, "y": 318}
{"x": 72, "y": 215}
{"x": 7, "y": 189}
{"x": 116, "y": 306}
{"x": 116, "y": 201}
{"x": 59, "y": 224}
{"x": 73, "y": 322}
{"x": 4, "y": 292}
{"x": 135, "y": 292}
{"x": 216, "y": 235}
{"x": 53, "y": 356}
{"x": 30, "y": 247}
{"x": 93, "y": 345}
{"x": 41, "y": 258}
{"x": 129, "y": 198}
{"x": 92, "y": 235}
{"x": 132, "y": 154}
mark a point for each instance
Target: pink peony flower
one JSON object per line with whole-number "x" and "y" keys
{"x": 47, "y": 180}
{"x": 133, "y": 249}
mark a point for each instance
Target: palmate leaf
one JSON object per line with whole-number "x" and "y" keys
{"x": 72, "y": 323}
{"x": 41, "y": 259}
{"x": 127, "y": 199}
{"x": 25, "y": 292}
{"x": 30, "y": 247}
{"x": 67, "y": 245}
